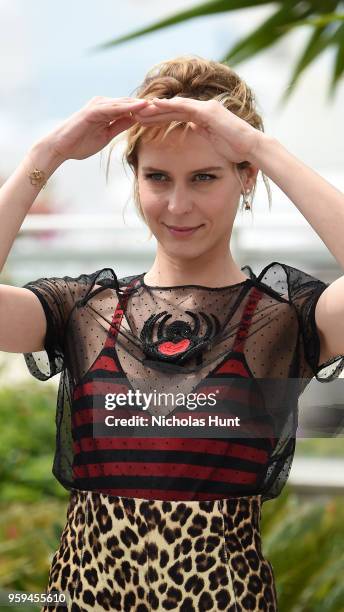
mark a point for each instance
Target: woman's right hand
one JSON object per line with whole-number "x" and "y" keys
{"x": 91, "y": 128}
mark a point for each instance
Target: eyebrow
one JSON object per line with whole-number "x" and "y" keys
{"x": 150, "y": 168}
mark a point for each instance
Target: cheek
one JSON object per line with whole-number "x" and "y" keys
{"x": 151, "y": 207}
{"x": 219, "y": 211}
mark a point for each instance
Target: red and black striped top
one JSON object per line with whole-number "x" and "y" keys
{"x": 165, "y": 468}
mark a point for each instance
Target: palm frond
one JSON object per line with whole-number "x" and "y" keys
{"x": 266, "y": 34}
{"x": 202, "y": 10}
{"x": 289, "y": 15}
{"x": 317, "y": 43}
{"x": 322, "y": 21}
{"x": 339, "y": 60}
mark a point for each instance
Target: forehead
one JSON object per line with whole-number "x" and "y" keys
{"x": 179, "y": 147}
{"x": 160, "y": 140}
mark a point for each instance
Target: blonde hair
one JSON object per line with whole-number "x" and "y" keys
{"x": 194, "y": 77}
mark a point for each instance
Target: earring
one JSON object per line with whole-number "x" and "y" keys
{"x": 247, "y": 200}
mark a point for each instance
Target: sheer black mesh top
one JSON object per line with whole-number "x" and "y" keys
{"x": 107, "y": 336}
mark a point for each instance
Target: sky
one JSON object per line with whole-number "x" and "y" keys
{"x": 48, "y": 72}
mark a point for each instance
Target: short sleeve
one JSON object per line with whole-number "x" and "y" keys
{"x": 304, "y": 292}
{"x": 58, "y": 297}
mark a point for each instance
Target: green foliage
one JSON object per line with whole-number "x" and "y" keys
{"x": 27, "y": 422}
{"x": 33, "y": 504}
{"x": 323, "y": 19}
{"x": 320, "y": 447}
{"x": 303, "y": 541}
{"x": 29, "y": 535}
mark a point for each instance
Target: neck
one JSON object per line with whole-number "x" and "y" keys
{"x": 170, "y": 272}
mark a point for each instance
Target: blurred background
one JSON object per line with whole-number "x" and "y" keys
{"x": 51, "y": 65}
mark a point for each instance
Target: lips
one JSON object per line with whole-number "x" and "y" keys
{"x": 177, "y": 232}
{"x": 182, "y": 228}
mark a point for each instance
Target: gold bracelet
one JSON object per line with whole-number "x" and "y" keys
{"x": 37, "y": 177}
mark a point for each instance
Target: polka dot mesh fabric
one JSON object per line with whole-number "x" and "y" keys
{"x": 134, "y": 336}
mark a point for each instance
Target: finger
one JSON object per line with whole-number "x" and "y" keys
{"x": 169, "y": 110}
{"x": 116, "y": 127}
{"x": 124, "y": 104}
{"x": 161, "y": 117}
{"x": 155, "y": 107}
{"x": 126, "y": 117}
{"x": 105, "y": 99}
{"x": 131, "y": 103}
{"x": 153, "y": 111}
{"x": 197, "y": 129}
{"x": 151, "y": 107}
{"x": 120, "y": 124}
{"x": 173, "y": 100}
{"x": 177, "y": 102}
{"x": 113, "y": 110}
{"x": 147, "y": 112}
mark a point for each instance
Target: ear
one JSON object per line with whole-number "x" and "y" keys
{"x": 248, "y": 176}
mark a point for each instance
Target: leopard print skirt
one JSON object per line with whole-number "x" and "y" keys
{"x": 122, "y": 553}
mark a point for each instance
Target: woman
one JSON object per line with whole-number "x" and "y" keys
{"x": 164, "y": 513}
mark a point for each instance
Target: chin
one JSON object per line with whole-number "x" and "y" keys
{"x": 183, "y": 251}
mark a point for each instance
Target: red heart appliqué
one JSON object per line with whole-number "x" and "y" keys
{"x": 172, "y": 348}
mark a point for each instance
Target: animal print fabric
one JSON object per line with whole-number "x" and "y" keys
{"x": 122, "y": 553}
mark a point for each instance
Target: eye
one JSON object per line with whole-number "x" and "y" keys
{"x": 150, "y": 176}
{"x": 212, "y": 176}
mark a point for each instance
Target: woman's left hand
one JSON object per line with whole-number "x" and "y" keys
{"x": 231, "y": 137}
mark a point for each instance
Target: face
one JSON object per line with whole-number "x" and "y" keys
{"x": 178, "y": 188}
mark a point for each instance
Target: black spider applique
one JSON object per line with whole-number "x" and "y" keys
{"x": 177, "y": 342}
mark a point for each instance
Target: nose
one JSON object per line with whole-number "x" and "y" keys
{"x": 179, "y": 201}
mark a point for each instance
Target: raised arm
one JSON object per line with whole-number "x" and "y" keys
{"x": 22, "y": 319}
{"x": 86, "y": 132}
